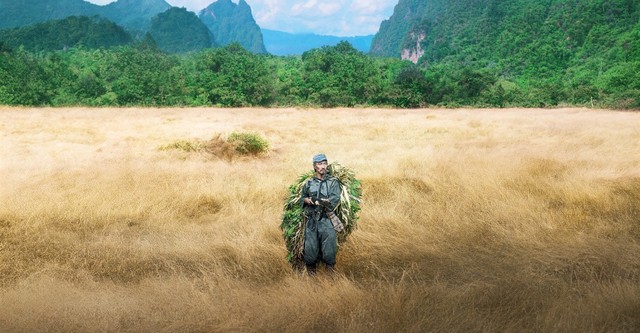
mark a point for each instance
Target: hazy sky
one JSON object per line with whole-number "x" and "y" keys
{"x": 325, "y": 17}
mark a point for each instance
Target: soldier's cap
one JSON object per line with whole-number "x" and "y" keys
{"x": 319, "y": 158}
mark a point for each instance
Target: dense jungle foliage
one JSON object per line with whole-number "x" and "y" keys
{"x": 553, "y": 51}
{"x": 141, "y": 74}
{"x": 476, "y": 53}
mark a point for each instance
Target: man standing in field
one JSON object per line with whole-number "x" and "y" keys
{"x": 321, "y": 194}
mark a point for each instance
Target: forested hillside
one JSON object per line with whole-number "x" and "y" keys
{"x": 73, "y": 31}
{"x": 25, "y": 12}
{"x": 560, "y": 51}
{"x": 227, "y": 21}
{"x": 499, "y": 28}
{"x": 178, "y": 31}
{"x": 135, "y": 15}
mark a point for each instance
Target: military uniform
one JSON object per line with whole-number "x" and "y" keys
{"x": 320, "y": 243}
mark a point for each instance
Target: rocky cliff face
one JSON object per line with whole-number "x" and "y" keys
{"x": 231, "y": 23}
{"x": 391, "y": 38}
{"x": 414, "y": 51}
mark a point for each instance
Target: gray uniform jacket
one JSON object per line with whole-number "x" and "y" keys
{"x": 320, "y": 242}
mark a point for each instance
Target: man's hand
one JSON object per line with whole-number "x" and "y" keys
{"x": 310, "y": 201}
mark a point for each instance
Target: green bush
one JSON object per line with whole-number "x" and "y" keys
{"x": 248, "y": 143}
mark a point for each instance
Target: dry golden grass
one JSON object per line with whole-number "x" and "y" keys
{"x": 473, "y": 221}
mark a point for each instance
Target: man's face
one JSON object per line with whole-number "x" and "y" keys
{"x": 321, "y": 167}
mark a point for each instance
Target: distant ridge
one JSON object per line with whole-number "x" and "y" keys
{"x": 226, "y": 21}
{"x": 88, "y": 32}
{"x": 134, "y": 14}
{"x": 283, "y": 43}
{"x": 14, "y": 14}
{"x": 131, "y": 14}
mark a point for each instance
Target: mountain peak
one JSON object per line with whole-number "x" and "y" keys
{"x": 233, "y": 23}
{"x": 178, "y": 31}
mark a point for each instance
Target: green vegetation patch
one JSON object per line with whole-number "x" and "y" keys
{"x": 236, "y": 144}
{"x": 248, "y": 143}
{"x": 185, "y": 145}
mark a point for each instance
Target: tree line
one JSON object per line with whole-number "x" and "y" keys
{"x": 330, "y": 76}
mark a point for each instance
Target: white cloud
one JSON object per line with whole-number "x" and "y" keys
{"x": 329, "y": 8}
{"x": 324, "y": 17}
{"x": 301, "y": 8}
{"x": 269, "y": 12}
{"x": 369, "y": 7}
{"x": 100, "y": 2}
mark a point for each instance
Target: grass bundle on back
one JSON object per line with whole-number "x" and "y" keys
{"x": 294, "y": 219}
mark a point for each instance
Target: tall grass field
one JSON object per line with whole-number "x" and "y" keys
{"x": 144, "y": 220}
